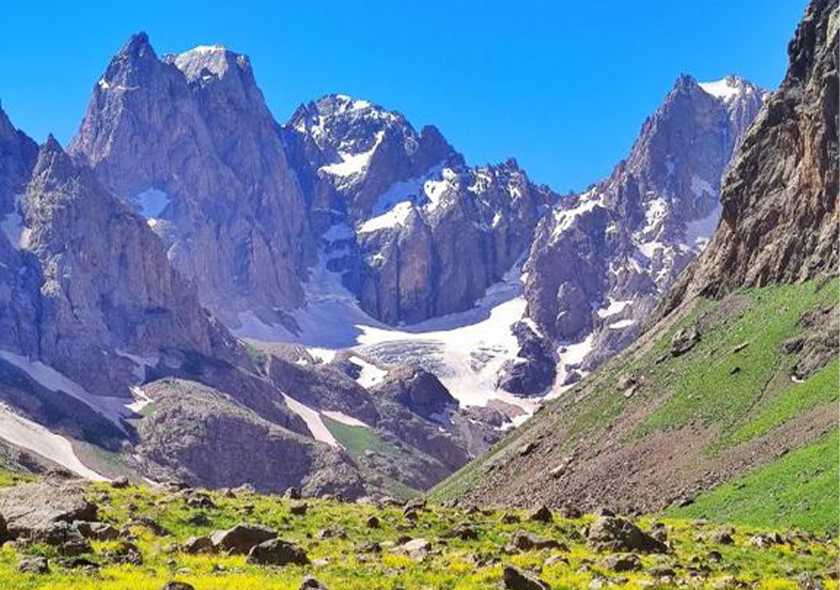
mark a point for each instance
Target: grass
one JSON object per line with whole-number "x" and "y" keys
{"x": 358, "y": 439}
{"x": 714, "y": 384}
{"x": 453, "y": 564}
{"x": 800, "y": 490}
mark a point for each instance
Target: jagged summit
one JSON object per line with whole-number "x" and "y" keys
{"x": 206, "y": 61}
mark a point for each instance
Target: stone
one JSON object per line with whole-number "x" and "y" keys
{"x": 525, "y": 541}
{"x": 310, "y": 583}
{"x": 33, "y": 507}
{"x": 240, "y": 539}
{"x": 541, "y": 514}
{"x": 175, "y": 585}
{"x": 33, "y": 565}
{"x": 198, "y": 544}
{"x": 120, "y": 482}
{"x": 622, "y": 563}
{"x": 617, "y": 534}
{"x": 277, "y": 552}
{"x": 515, "y": 579}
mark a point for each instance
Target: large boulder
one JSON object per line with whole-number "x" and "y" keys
{"x": 615, "y": 534}
{"x": 277, "y": 552}
{"x": 240, "y": 539}
{"x": 32, "y": 509}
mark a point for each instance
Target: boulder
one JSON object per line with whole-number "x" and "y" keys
{"x": 617, "y": 534}
{"x": 622, "y": 563}
{"x": 515, "y": 579}
{"x": 277, "y": 552}
{"x": 33, "y": 565}
{"x": 541, "y": 514}
{"x": 193, "y": 545}
{"x": 29, "y": 508}
{"x": 685, "y": 340}
{"x": 242, "y": 538}
{"x": 525, "y": 541}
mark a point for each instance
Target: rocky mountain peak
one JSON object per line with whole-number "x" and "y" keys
{"x": 208, "y": 61}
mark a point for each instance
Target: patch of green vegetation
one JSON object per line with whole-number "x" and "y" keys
{"x": 823, "y": 387}
{"x": 11, "y": 478}
{"x": 720, "y": 380}
{"x": 258, "y": 356}
{"x": 358, "y": 439}
{"x": 339, "y": 562}
{"x": 800, "y": 490}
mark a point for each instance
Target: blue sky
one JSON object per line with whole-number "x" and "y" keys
{"x": 562, "y": 86}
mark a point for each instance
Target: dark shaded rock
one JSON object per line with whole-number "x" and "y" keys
{"x": 541, "y": 514}
{"x": 175, "y": 585}
{"x": 310, "y": 583}
{"x": 622, "y": 563}
{"x": 299, "y": 509}
{"x": 193, "y": 545}
{"x": 372, "y": 522}
{"x": 515, "y": 579}
{"x": 33, "y": 565}
{"x": 277, "y": 552}
{"x": 120, "y": 482}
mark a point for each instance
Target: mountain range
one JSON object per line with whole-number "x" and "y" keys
{"x": 193, "y": 291}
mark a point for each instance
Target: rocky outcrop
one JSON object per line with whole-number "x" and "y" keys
{"x": 200, "y": 435}
{"x": 107, "y": 288}
{"x": 413, "y": 232}
{"x": 602, "y": 260}
{"x": 780, "y": 215}
{"x": 34, "y": 509}
{"x": 189, "y": 142}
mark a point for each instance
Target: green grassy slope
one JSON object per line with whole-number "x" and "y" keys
{"x": 733, "y": 385}
{"x": 342, "y": 563}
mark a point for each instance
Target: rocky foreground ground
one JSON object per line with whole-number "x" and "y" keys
{"x": 67, "y": 534}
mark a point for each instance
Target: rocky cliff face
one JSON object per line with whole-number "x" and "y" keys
{"x": 780, "y": 214}
{"x": 188, "y": 141}
{"x": 601, "y": 260}
{"x": 414, "y": 232}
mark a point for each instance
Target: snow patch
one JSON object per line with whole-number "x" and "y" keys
{"x": 313, "y": 421}
{"x": 615, "y": 307}
{"x": 621, "y": 324}
{"x": 34, "y": 437}
{"x": 13, "y": 226}
{"x": 396, "y": 217}
{"x": 725, "y": 89}
{"x": 370, "y": 374}
{"x": 353, "y": 164}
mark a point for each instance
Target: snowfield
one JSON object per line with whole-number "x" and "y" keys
{"x": 31, "y": 436}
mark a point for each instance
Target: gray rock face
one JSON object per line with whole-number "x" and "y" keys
{"x": 190, "y": 143}
{"x": 35, "y": 508}
{"x": 602, "y": 260}
{"x": 414, "y": 232}
{"x": 780, "y": 213}
{"x": 106, "y": 283}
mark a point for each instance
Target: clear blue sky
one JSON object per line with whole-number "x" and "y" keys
{"x": 563, "y": 86}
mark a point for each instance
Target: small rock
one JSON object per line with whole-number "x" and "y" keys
{"x": 622, "y": 563}
{"x": 310, "y": 583}
{"x": 514, "y": 579}
{"x": 373, "y": 522}
{"x": 299, "y": 509}
{"x": 33, "y": 565}
{"x": 526, "y": 449}
{"x": 541, "y": 514}
{"x": 120, "y": 482}
{"x": 509, "y": 518}
{"x": 685, "y": 340}
{"x": 525, "y": 541}
{"x": 175, "y": 585}
{"x": 194, "y": 545}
